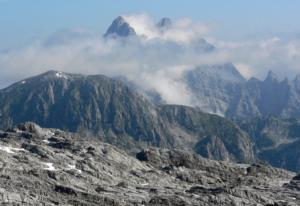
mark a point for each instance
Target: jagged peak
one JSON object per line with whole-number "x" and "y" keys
{"x": 253, "y": 80}
{"x": 297, "y": 78}
{"x": 230, "y": 69}
{"x": 120, "y": 20}
{"x": 286, "y": 80}
{"x": 164, "y": 23}
{"x": 120, "y": 28}
{"x": 225, "y": 72}
{"x": 271, "y": 76}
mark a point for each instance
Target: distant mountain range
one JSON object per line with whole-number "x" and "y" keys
{"x": 152, "y": 158}
{"x": 220, "y": 89}
{"x": 121, "y": 29}
{"x": 100, "y": 106}
{"x": 232, "y": 119}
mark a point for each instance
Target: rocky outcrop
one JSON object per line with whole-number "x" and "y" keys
{"x": 90, "y": 172}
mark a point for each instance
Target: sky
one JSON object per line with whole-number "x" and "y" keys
{"x": 66, "y": 35}
{"x": 24, "y": 21}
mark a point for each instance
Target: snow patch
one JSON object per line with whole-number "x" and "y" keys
{"x": 46, "y": 133}
{"x": 73, "y": 167}
{"x": 243, "y": 166}
{"x": 23, "y": 82}
{"x": 10, "y": 150}
{"x": 46, "y": 141}
{"x": 49, "y": 167}
{"x": 61, "y": 75}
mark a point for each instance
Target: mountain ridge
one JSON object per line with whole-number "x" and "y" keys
{"x": 107, "y": 108}
{"x": 111, "y": 110}
{"x": 240, "y": 98}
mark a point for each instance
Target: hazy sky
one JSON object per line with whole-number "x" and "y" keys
{"x": 23, "y": 21}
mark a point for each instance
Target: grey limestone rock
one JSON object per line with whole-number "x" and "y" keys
{"x": 90, "y": 172}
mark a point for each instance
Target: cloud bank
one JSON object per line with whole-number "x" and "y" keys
{"x": 256, "y": 58}
{"x": 154, "y": 60}
{"x": 182, "y": 30}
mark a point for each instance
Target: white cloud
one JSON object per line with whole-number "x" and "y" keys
{"x": 153, "y": 63}
{"x": 245, "y": 70}
{"x": 183, "y": 30}
{"x": 166, "y": 83}
{"x": 255, "y": 58}
{"x": 143, "y": 25}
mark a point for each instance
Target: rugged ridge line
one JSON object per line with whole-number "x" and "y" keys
{"x": 109, "y": 109}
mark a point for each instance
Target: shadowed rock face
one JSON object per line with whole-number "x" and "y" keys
{"x": 100, "y": 106}
{"x": 214, "y": 88}
{"x": 119, "y": 28}
{"x": 221, "y": 89}
{"x": 275, "y": 140}
{"x": 89, "y": 172}
{"x": 164, "y": 23}
{"x": 107, "y": 108}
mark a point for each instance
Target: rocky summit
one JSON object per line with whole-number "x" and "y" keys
{"x": 51, "y": 167}
{"x": 119, "y": 28}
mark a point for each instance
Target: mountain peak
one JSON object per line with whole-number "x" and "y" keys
{"x": 225, "y": 72}
{"x": 56, "y": 74}
{"x": 49, "y": 75}
{"x": 120, "y": 20}
{"x": 119, "y": 28}
{"x": 297, "y": 78}
{"x": 164, "y": 23}
{"x": 228, "y": 72}
{"x": 271, "y": 76}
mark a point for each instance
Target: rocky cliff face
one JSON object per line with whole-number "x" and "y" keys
{"x": 222, "y": 90}
{"x": 214, "y": 88}
{"x": 275, "y": 140}
{"x": 81, "y": 103}
{"x": 51, "y": 167}
{"x": 109, "y": 109}
{"x": 196, "y": 127}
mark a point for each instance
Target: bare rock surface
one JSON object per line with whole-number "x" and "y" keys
{"x": 51, "y": 167}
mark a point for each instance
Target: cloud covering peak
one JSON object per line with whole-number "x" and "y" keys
{"x": 181, "y": 30}
{"x": 154, "y": 58}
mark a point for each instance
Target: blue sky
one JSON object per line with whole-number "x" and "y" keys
{"x": 23, "y": 21}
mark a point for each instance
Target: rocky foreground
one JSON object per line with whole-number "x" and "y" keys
{"x": 50, "y": 167}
